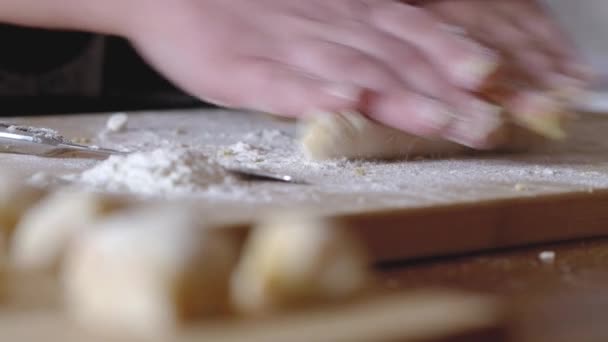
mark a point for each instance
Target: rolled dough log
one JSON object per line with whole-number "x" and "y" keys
{"x": 143, "y": 273}
{"x": 354, "y": 136}
{"x": 45, "y": 230}
{"x": 291, "y": 260}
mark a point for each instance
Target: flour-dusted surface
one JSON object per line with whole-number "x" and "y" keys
{"x": 256, "y": 141}
{"x": 168, "y": 171}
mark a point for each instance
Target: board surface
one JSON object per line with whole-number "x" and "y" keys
{"x": 404, "y": 209}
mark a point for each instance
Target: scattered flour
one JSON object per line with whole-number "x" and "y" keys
{"x": 269, "y": 137}
{"x": 242, "y": 153}
{"x": 548, "y": 172}
{"x": 164, "y": 171}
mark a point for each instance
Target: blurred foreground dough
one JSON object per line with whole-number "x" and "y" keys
{"x": 145, "y": 272}
{"x": 15, "y": 198}
{"x": 292, "y": 260}
{"x": 41, "y": 237}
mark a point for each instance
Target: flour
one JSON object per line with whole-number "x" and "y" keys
{"x": 164, "y": 171}
{"x": 39, "y": 133}
{"x": 242, "y": 154}
{"x": 269, "y": 137}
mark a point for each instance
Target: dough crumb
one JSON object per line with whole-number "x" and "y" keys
{"x": 82, "y": 140}
{"x": 243, "y": 153}
{"x": 360, "y": 171}
{"x": 547, "y": 257}
{"x": 228, "y": 153}
{"x": 117, "y": 122}
{"x": 241, "y": 147}
{"x": 520, "y": 187}
{"x": 548, "y": 172}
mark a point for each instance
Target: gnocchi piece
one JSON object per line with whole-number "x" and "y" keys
{"x": 117, "y": 122}
{"x": 15, "y": 198}
{"x": 42, "y": 236}
{"x": 146, "y": 272}
{"x": 292, "y": 260}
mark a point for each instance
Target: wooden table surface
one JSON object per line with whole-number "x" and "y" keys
{"x": 566, "y": 300}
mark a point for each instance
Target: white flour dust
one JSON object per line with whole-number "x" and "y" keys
{"x": 166, "y": 171}
{"x": 38, "y": 132}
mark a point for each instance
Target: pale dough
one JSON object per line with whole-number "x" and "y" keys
{"x": 353, "y": 136}
{"x": 117, "y": 122}
{"x": 145, "y": 272}
{"x": 291, "y": 260}
{"x": 15, "y": 198}
{"x": 42, "y": 235}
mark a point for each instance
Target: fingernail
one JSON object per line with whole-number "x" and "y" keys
{"x": 477, "y": 127}
{"x": 540, "y": 113}
{"x": 565, "y": 88}
{"x": 453, "y": 29}
{"x": 582, "y": 71}
{"x": 473, "y": 71}
{"x": 434, "y": 114}
{"x": 346, "y": 91}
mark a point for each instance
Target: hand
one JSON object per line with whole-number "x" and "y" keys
{"x": 395, "y": 62}
{"x": 529, "y": 39}
{"x": 542, "y": 68}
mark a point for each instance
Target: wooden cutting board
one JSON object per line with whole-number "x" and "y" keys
{"x": 407, "y": 209}
{"x": 420, "y": 316}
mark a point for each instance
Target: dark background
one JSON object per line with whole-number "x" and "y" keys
{"x": 127, "y": 82}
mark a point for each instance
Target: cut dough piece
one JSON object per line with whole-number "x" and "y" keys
{"x": 145, "y": 272}
{"x": 117, "y": 122}
{"x": 15, "y": 198}
{"x": 291, "y": 260}
{"x": 45, "y": 230}
{"x": 354, "y": 136}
